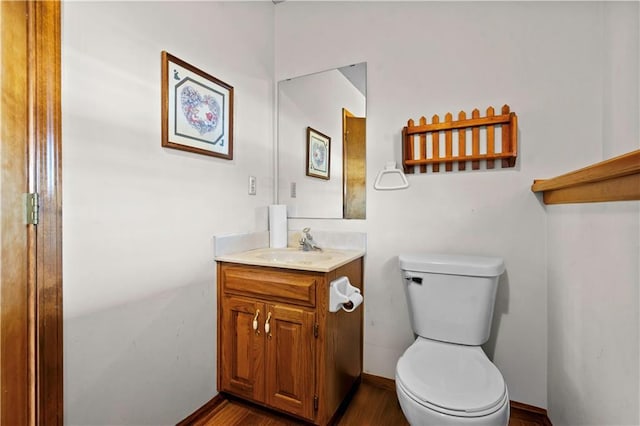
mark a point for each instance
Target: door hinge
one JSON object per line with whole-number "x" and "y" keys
{"x": 315, "y": 330}
{"x": 32, "y": 208}
{"x": 315, "y": 403}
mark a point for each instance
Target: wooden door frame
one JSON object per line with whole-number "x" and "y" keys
{"x": 39, "y": 392}
{"x": 349, "y": 209}
{"x": 45, "y": 75}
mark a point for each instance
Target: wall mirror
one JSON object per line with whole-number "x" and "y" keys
{"x": 322, "y": 143}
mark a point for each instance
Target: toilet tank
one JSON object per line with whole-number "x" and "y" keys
{"x": 451, "y": 297}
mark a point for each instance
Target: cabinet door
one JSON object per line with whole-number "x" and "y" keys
{"x": 242, "y": 356}
{"x": 290, "y": 360}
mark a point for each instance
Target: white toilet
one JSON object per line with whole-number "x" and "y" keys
{"x": 444, "y": 378}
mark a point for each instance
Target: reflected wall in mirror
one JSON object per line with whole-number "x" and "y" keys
{"x": 334, "y": 103}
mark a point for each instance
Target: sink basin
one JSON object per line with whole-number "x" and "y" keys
{"x": 291, "y": 256}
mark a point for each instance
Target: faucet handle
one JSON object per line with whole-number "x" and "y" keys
{"x": 306, "y": 240}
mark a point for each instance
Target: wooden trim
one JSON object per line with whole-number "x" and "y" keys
{"x": 530, "y": 412}
{"x": 459, "y": 124}
{"x": 345, "y": 113}
{"x": 35, "y": 397}
{"x": 378, "y": 381}
{"x": 458, "y": 159}
{"x": 204, "y": 411}
{"x": 45, "y": 74}
{"x": 616, "y": 179}
{"x": 335, "y": 419}
{"x": 518, "y": 409}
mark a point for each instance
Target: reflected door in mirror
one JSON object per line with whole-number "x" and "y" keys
{"x": 354, "y": 175}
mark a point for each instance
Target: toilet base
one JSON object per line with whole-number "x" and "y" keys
{"x": 419, "y": 415}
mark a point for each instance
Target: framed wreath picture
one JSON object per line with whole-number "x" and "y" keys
{"x": 318, "y": 154}
{"x": 197, "y": 110}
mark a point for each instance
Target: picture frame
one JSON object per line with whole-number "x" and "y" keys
{"x": 197, "y": 110}
{"x": 318, "y": 154}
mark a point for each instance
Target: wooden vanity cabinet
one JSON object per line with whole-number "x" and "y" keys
{"x": 278, "y": 344}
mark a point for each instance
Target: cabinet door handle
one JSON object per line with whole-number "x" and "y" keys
{"x": 267, "y": 327}
{"x": 255, "y": 321}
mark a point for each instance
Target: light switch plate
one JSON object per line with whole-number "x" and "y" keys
{"x": 252, "y": 185}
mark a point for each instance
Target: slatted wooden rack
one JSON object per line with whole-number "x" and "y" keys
{"x": 508, "y": 126}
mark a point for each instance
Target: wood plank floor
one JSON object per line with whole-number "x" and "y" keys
{"x": 371, "y": 406}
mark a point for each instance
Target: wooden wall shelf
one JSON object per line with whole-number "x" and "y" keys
{"x": 617, "y": 179}
{"x": 501, "y": 144}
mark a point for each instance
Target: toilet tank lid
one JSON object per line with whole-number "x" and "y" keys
{"x": 452, "y": 264}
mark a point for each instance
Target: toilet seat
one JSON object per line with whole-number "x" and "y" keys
{"x": 451, "y": 379}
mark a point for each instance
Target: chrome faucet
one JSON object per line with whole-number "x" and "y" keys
{"x": 306, "y": 242}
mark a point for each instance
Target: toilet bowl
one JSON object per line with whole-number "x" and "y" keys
{"x": 447, "y": 384}
{"x": 444, "y": 378}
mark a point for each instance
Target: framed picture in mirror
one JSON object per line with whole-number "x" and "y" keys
{"x": 197, "y": 110}
{"x": 318, "y": 154}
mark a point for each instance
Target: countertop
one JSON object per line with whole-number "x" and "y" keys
{"x": 294, "y": 258}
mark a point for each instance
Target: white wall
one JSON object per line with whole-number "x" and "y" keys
{"x": 139, "y": 292}
{"x": 139, "y": 284}
{"x": 317, "y": 101}
{"x": 594, "y": 261}
{"x": 544, "y": 60}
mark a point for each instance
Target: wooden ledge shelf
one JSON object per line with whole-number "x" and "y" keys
{"x": 617, "y": 179}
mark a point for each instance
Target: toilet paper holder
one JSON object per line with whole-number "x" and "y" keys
{"x": 342, "y": 295}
